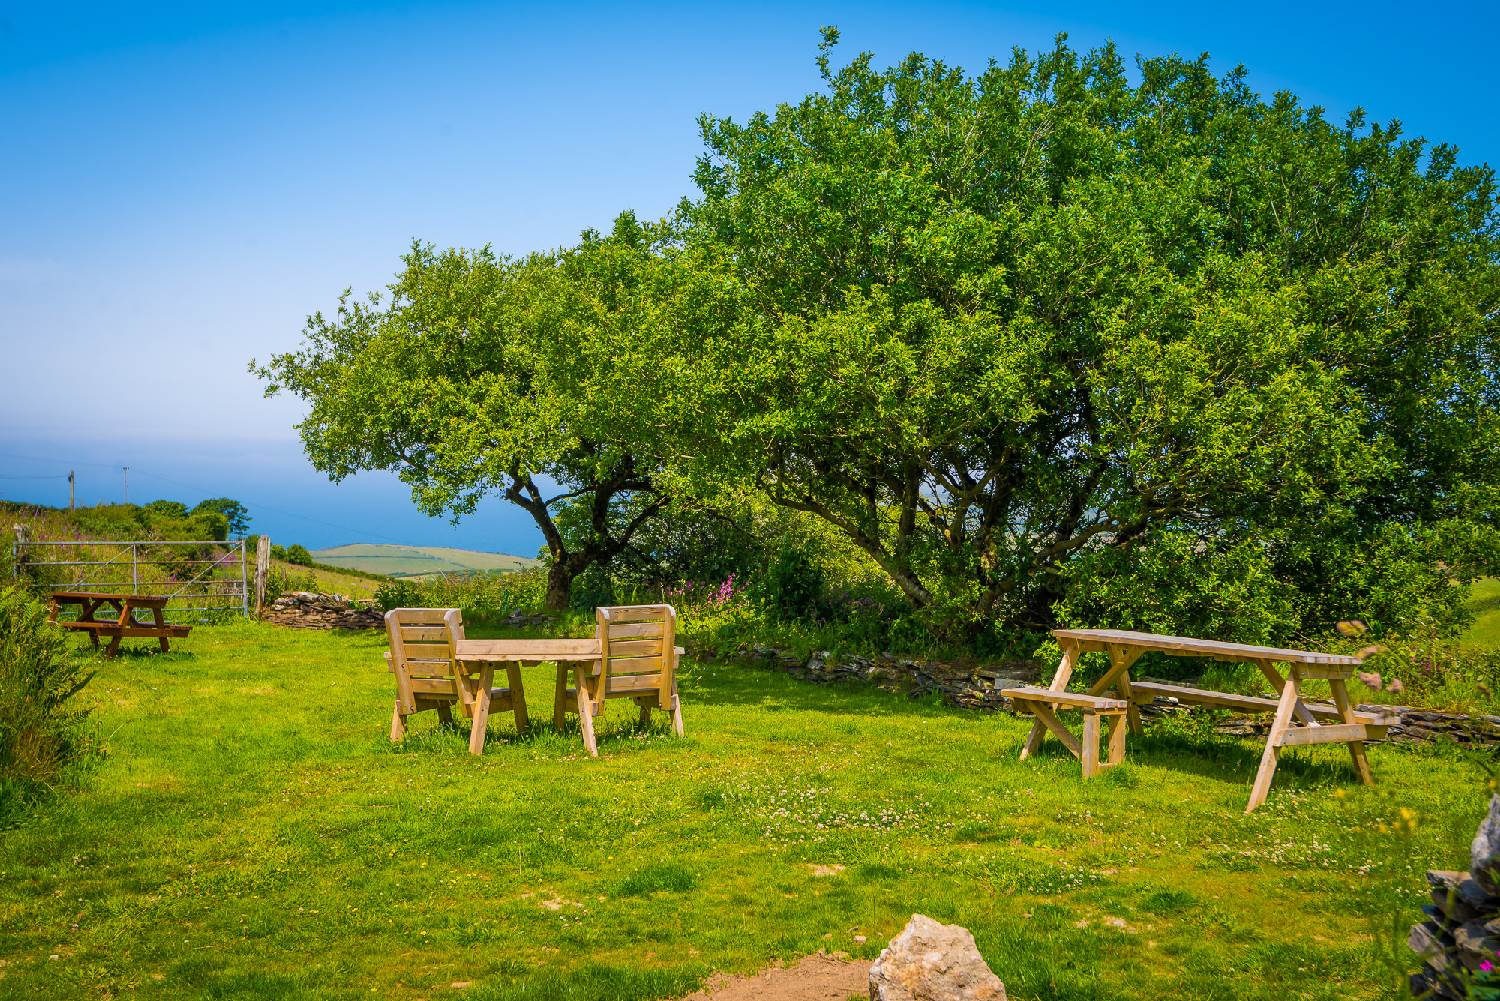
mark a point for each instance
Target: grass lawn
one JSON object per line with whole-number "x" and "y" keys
{"x": 1484, "y": 602}
{"x": 252, "y": 834}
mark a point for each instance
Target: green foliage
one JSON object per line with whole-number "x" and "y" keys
{"x": 482, "y": 373}
{"x": 296, "y": 554}
{"x": 793, "y": 585}
{"x": 236, "y": 515}
{"x": 42, "y": 732}
{"x": 1049, "y": 344}
{"x": 483, "y": 598}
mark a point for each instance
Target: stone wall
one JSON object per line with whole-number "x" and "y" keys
{"x": 1460, "y": 939}
{"x": 978, "y": 686}
{"x": 308, "y": 610}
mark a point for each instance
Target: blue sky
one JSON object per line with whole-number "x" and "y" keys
{"x": 180, "y": 186}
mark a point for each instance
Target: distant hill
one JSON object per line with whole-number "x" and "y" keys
{"x": 418, "y": 561}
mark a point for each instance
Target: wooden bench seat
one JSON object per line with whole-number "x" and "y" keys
{"x": 1043, "y": 703}
{"x": 1073, "y": 700}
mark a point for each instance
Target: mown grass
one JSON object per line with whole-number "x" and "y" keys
{"x": 253, "y": 835}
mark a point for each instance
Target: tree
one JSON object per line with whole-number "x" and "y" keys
{"x": 1046, "y": 343}
{"x": 481, "y": 373}
{"x": 236, "y": 515}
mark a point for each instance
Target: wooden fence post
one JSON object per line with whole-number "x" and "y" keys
{"x": 262, "y": 569}
{"x": 23, "y": 539}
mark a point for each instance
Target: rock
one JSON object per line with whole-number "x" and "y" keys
{"x": 308, "y": 610}
{"x": 1484, "y": 853}
{"x": 930, "y": 961}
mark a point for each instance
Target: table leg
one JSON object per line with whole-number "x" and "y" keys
{"x": 1118, "y": 725}
{"x": 517, "y": 697}
{"x": 1060, "y": 680}
{"x": 1290, "y": 699}
{"x": 481, "y": 710}
{"x": 1303, "y": 713}
{"x": 586, "y": 713}
{"x": 645, "y": 704}
{"x": 1121, "y": 660}
{"x": 161, "y": 625}
{"x": 1047, "y": 718}
{"x": 1356, "y": 747}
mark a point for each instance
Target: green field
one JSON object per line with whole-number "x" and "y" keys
{"x": 418, "y": 561}
{"x": 1484, "y": 602}
{"x": 252, "y": 834}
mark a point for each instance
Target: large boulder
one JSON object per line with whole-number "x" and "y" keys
{"x": 1484, "y": 853}
{"x": 930, "y": 961}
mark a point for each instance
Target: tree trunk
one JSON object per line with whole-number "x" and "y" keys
{"x": 559, "y": 585}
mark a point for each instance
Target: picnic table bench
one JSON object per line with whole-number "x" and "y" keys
{"x": 1294, "y": 722}
{"x": 123, "y": 609}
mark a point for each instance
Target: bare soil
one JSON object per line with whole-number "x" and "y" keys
{"x": 818, "y": 977}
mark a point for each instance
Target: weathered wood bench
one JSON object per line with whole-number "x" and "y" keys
{"x": 1294, "y": 721}
{"x": 1043, "y": 703}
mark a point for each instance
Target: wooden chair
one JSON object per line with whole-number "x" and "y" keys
{"x": 422, "y": 656}
{"x": 637, "y": 660}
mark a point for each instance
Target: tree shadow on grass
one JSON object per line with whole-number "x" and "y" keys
{"x": 1228, "y": 759}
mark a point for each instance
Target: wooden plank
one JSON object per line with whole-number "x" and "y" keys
{"x": 1330, "y": 733}
{"x": 1045, "y": 716}
{"x": 626, "y": 630}
{"x": 633, "y": 648}
{"x": 1101, "y": 639}
{"x": 429, "y": 651}
{"x": 634, "y": 683}
{"x": 1090, "y": 745}
{"x": 635, "y": 665}
{"x": 636, "y": 613}
{"x": 418, "y": 634}
{"x": 1074, "y": 700}
{"x": 1060, "y": 679}
{"x": 1145, "y": 691}
{"x": 529, "y": 649}
{"x": 1117, "y": 729}
{"x": 1268, "y": 758}
{"x": 1356, "y": 748}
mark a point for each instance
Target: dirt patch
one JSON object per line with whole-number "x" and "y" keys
{"x": 813, "y": 978}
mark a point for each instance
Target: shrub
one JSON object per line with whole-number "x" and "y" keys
{"x": 793, "y": 586}
{"x": 41, "y": 735}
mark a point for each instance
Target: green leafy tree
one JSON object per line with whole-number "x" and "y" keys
{"x": 236, "y": 515}
{"x": 1046, "y": 342}
{"x": 483, "y": 374}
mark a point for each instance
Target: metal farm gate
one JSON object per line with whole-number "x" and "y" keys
{"x": 205, "y": 580}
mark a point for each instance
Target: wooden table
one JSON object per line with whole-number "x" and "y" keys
{"x": 124, "y": 609}
{"x": 486, "y": 655}
{"x": 1295, "y": 722}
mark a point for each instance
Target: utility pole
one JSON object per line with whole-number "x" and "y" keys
{"x": 126, "y": 471}
{"x": 70, "y": 490}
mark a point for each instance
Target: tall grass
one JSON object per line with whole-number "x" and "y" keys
{"x": 42, "y": 735}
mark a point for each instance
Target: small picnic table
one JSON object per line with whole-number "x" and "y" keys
{"x": 1295, "y": 722}
{"x": 581, "y": 656}
{"x": 124, "y": 621}
{"x": 486, "y": 655}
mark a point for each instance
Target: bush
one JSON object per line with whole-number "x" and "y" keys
{"x": 481, "y": 597}
{"x": 41, "y": 735}
{"x": 793, "y": 586}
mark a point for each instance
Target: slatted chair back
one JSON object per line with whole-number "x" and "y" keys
{"x": 424, "y": 643}
{"x": 638, "y": 653}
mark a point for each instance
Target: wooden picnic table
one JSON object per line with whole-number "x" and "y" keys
{"x": 581, "y": 656}
{"x": 486, "y": 655}
{"x": 1294, "y": 722}
{"x": 123, "y": 609}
